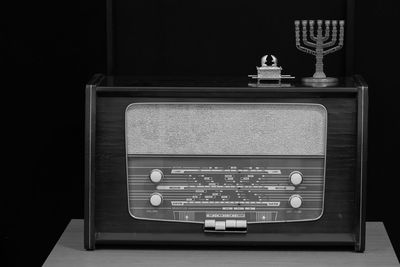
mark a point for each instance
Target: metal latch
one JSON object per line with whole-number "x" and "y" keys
{"x": 227, "y": 226}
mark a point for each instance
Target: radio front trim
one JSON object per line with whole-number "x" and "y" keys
{"x": 224, "y": 191}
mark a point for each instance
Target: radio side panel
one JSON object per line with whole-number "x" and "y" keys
{"x": 113, "y": 223}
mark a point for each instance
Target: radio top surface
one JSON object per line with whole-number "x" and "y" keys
{"x": 203, "y": 81}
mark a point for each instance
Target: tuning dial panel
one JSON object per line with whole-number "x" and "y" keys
{"x": 156, "y": 175}
{"x": 261, "y": 189}
{"x": 156, "y": 199}
{"x": 296, "y": 178}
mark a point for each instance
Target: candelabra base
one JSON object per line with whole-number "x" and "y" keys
{"x": 320, "y": 82}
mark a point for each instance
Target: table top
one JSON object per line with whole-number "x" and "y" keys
{"x": 69, "y": 251}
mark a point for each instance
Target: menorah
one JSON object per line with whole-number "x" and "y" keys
{"x": 319, "y": 46}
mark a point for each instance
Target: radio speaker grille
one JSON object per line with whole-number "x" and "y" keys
{"x": 226, "y": 129}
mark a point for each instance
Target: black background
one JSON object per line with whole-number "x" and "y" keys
{"x": 215, "y": 37}
{"x": 50, "y": 49}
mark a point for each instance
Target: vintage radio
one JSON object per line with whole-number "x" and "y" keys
{"x": 222, "y": 163}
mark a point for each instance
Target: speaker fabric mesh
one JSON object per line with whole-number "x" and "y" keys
{"x": 226, "y": 129}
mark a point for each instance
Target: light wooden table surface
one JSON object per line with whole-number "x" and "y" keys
{"x": 69, "y": 252}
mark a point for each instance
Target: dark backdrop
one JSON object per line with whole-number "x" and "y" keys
{"x": 51, "y": 48}
{"x": 210, "y": 37}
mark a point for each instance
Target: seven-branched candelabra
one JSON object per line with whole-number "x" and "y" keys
{"x": 321, "y": 44}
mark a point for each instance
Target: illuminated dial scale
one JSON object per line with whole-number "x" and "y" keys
{"x": 283, "y": 189}
{"x": 156, "y": 175}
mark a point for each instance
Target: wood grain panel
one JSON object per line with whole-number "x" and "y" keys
{"x": 111, "y": 209}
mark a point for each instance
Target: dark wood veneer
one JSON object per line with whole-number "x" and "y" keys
{"x": 111, "y": 197}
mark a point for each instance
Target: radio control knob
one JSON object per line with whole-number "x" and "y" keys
{"x": 295, "y": 201}
{"x": 156, "y": 199}
{"x": 296, "y": 178}
{"x": 156, "y": 175}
